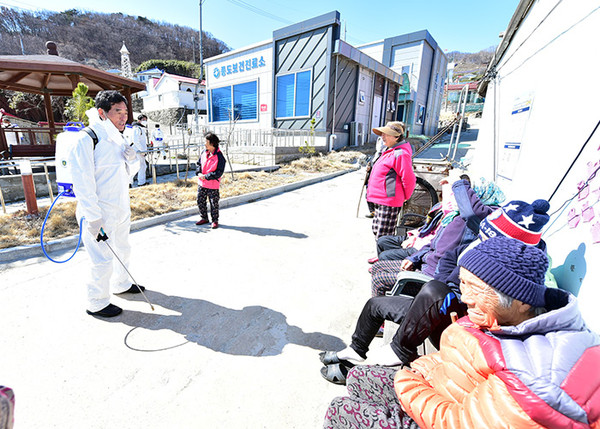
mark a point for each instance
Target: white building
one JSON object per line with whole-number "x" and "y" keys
{"x": 172, "y": 92}
{"x": 538, "y": 140}
{"x": 307, "y": 77}
{"x": 418, "y": 57}
{"x": 145, "y": 75}
{"x": 240, "y": 86}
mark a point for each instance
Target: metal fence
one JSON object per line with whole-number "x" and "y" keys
{"x": 244, "y": 146}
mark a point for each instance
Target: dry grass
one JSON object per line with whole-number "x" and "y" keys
{"x": 18, "y": 228}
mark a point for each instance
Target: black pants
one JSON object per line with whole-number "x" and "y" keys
{"x": 389, "y": 248}
{"x": 213, "y": 196}
{"x": 418, "y": 317}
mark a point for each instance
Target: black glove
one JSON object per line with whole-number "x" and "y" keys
{"x": 102, "y": 236}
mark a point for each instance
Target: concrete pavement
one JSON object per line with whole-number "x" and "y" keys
{"x": 241, "y": 314}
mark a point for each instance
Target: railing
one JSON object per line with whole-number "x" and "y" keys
{"x": 245, "y": 146}
{"x": 15, "y": 142}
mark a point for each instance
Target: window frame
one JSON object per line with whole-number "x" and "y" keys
{"x": 295, "y": 73}
{"x": 420, "y": 117}
{"x": 231, "y": 88}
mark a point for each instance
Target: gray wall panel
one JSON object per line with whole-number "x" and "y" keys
{"x": 306, "y": 51}
{"x": 345, "y": 88}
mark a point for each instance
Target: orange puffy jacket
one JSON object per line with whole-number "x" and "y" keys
{"x": 473, "y": 381}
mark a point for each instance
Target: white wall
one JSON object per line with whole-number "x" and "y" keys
{"x": 374, "y": 50}
{"x": 169, "y": 100}
{"x": 436, "y": 92}
{"x": 263, "y": 74}
{"x": 408, "y": 54}
{"x": 167, "y": 95}
{"x": 556, "y": 70}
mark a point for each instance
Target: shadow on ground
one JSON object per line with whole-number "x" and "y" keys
{"x": 265, "y": 231}
{"x": 251, "y": 331}
{"x": 179, "y": 226}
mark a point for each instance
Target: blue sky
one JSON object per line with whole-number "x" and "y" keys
{"x": 463, "y": 25}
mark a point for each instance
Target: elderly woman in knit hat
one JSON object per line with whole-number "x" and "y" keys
{"x": 522, "y": 357}
{"x": 427, "y": 314}
{"x": 392, "y": 180}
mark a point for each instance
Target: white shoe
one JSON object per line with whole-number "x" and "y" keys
{"x": 384, "y": 356}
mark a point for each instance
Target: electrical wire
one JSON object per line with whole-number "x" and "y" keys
{"x": 565, "y": 204}
{"x": 259, "y": 11}
{"x": 575, "y": 160}
{"x": 547, "y": 44}
{"x": 533, "y": 31}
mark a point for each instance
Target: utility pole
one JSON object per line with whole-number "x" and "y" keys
{"x": 201, "y": 69}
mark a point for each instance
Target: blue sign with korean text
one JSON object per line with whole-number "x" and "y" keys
{"x": 239, "y": 67}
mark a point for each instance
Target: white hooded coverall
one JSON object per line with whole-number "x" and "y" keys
{"x": 158, "y": 141}
{"x": 135, "y": 135}
{"x": 101, "y": 185}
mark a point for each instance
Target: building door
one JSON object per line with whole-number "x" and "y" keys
{"x": 400, "y": 113}
{"x": 377, "y": 103}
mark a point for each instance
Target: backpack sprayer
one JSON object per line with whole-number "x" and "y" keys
{"x": 65, "y": 142}
{"x": 64, "y": 181}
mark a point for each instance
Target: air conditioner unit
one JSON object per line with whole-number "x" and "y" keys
{"x": 357, "y": 136}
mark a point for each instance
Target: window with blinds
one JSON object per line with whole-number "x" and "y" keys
{"x": 293, "y": 94}
{"x": 236, "y": 102}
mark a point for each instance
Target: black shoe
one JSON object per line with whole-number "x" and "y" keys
{"x": 110, "y": 310}
{"x": 133, "y": 289}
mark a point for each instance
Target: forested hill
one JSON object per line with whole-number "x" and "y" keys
{"x": 475, "y": 63}
{"x": 96, "y": 38}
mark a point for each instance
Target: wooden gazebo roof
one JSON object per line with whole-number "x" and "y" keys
{"x": 51, "y": 75}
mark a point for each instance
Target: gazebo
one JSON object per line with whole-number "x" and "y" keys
{"x": 51, "y": 75}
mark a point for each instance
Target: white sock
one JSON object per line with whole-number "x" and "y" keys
{"x": 350, "y": 355}
{"x": 383, "y": 356}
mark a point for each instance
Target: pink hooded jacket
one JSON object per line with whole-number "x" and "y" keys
{"x": 392, "y": 179}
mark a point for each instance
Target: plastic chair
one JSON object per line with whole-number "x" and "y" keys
{"x": 409, "y": 283}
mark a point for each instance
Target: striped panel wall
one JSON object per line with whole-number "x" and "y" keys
{"x": 299, "y": 53}
{"x": 345, "y": 88}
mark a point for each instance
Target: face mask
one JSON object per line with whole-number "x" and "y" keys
{"x": 144, "y": 123}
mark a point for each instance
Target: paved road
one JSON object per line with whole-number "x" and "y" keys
{"x": 241, "y": 313}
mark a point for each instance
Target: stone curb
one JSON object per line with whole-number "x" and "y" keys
{"x": 35, "y": 250}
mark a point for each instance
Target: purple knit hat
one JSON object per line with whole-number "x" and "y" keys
{"x": 510, "y": 266}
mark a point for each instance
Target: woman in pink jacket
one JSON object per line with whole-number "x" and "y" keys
{"x": 392, "y": 180}
{"x": 210, "y": 168}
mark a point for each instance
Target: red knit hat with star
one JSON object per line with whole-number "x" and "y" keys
{"x": 518, "y": 220}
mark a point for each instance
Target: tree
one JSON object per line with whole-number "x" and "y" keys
{"x": 31, "y": 106}
{"x": 79, "y": 104}
{"x": 181, "y": 68}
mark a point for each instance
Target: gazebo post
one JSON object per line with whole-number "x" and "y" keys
{"x": 127, "y": 94}
{"x": 50, "y": 116}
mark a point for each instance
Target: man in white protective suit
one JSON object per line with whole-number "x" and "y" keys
{"x": 101, "y": 174}
{"x": 158, "y": 141}
{"x": 137, "y": 137}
